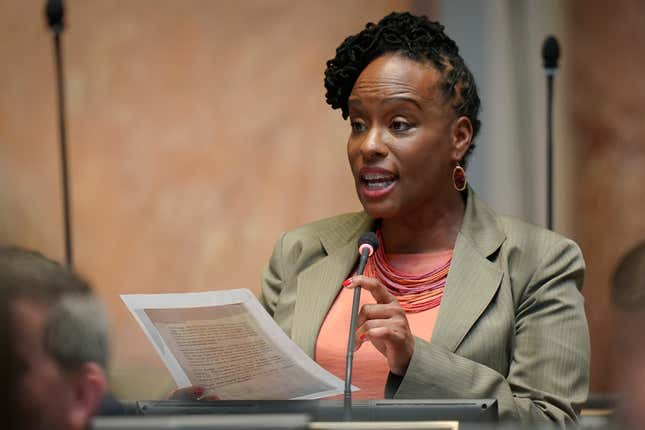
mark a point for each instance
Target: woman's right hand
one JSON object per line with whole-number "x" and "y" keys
{"x": 192, "y": 393}
{"x": 384, "y": 324}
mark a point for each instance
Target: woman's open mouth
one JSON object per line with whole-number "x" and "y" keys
{"x": 377, "y": 184}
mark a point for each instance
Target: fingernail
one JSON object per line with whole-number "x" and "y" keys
{"x": 198, "y": 391}
{"x": 347, "y": 282}
{"x": 363, "y": 337}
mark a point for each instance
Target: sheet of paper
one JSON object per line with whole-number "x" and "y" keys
{"x": 227, "y": 343}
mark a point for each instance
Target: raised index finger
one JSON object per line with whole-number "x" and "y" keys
{"x": 375, "y": 287}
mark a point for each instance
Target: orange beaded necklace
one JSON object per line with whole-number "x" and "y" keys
{"x": 415, "y": 292}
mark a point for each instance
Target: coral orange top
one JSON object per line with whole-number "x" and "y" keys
{"x": 370, "y": 367}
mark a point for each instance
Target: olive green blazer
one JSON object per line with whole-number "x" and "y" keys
{"x": 511, "y": 325}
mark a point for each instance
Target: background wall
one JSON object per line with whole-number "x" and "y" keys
{"x": 502, "y": 43}
{"x": 198, "y": 132}
{"x": 607, "y": 118}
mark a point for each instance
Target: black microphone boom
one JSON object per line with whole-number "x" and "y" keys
{"x": 367, "y": 244}
{"x": 55, "y": 13}
{"x": 550, "y": 56}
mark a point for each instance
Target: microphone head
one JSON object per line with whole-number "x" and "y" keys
{"x": 368, "y": 241}
{"x": 55, "y": 11}
{"x": 550, "y": 52}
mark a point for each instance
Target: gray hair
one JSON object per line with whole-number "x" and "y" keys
{"x": 76, "y": 329}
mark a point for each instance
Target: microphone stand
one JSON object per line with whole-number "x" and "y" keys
{"x": 549, "y": 150}
{"x": 347, "y": 415}
{"x": 347, "y": 411}
{"x": 54, "y": 11}
{"x": 365, "y": 252}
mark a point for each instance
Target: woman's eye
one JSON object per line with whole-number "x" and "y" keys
{"x": 399, "y": 125}
{"x": 357, "y": 126}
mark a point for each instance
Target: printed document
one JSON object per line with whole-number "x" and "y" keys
{"x": 225, "y": 342}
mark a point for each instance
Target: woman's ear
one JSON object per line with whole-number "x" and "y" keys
{"x": 89, "y": 385}
{"x": 462, "y": 136}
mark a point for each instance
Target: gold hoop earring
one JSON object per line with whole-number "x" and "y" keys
{"x": 459, "y": 178}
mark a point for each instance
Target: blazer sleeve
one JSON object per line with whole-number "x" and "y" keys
{"x": 272, "y": 279}
{"x": 548, "y": 374}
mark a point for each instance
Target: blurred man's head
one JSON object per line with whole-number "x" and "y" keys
{"x": 57, "y": 342}
{"x": 628, "y": 296}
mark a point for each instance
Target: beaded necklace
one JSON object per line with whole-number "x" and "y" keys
{"x": 415, "y": 292}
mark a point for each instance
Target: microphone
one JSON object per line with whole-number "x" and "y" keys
{"x": 55, "y": 13}
{"x": 367, "y": 244}
{"x": 550, "y": 56}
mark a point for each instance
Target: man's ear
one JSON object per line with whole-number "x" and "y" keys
{"x": 462, "y": 136}
{"x": 89, "y": 385}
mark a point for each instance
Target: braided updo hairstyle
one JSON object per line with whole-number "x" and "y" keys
{"x": 417, "y": 38}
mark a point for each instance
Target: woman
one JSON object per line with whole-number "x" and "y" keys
{"x": 458, "y": 302}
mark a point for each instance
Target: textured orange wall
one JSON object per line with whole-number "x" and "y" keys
{"x": 197, "y": 133}
{"x": 606, "y": 95}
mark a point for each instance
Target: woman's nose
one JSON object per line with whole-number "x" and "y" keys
{"x": 373, "y": 146}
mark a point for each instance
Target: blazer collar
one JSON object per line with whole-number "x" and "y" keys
{"x": 339, "y": 235}
{"x": 473, "y": 278}
{"x": 480, "y": 226}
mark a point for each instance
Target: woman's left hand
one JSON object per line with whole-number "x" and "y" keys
{"x": 384, "y": 324}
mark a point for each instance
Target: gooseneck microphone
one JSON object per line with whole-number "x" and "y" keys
{"x": 550, "y": 56}
{"x": 367, "y": 244}
{"x": 55, "y": 13}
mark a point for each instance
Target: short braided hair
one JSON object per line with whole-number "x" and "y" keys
{"x": 417, "y": 38}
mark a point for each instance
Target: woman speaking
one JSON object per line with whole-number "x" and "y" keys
{"x": 457, "y": 302}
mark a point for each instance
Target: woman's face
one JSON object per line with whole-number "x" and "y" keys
{"x": 405, "y": 138}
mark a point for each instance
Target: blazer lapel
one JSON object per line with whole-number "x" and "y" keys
{"x": 473, "y": 279}
{"x": 319, "y": 284}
